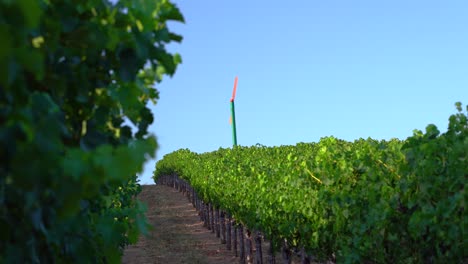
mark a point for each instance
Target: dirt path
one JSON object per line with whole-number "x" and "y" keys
{"x": 178, "y": 235}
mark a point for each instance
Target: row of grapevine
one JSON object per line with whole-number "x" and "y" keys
{"x": 363, "y": 201}
{"x": 241, "y": 241}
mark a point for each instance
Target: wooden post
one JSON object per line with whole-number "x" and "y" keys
{"x": 217, "y": 223}
{"x": 241, "y": 245}
{"x": 223, "y": 227}
{"x": 271, "y": 253}
{"x": 234, "y": 224}
{"x": 228, "y": 232}
{"x": 286, "y": 253}
{"x": 258, "y": 247}
{"x": 248, "y": 246}
{"x": 212, "y": 225}
{"x": 207, "y": 215}
{"x": 304, "y": 257}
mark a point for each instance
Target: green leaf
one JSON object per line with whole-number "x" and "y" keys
{"x": 31, "y": 12}
{"x": 6, "y": 43}
{"x": 175, "y": 37}
{"x": 129, "y": 65}
{"x": 170, "y": 12}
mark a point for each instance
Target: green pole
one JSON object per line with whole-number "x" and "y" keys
{"x": 233, "y": 118}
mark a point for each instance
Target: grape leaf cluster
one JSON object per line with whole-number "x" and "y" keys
{"x": 76, "y": 78}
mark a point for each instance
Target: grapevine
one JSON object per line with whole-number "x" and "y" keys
{"x": 395, "y": 201}
{"x": 73, "y": 76}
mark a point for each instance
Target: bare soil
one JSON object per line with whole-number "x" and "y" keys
{"x": 178, "y": 235}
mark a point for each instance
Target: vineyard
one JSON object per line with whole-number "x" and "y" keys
{"x": 367, "y": 201}
{"x": 77, "y": 83}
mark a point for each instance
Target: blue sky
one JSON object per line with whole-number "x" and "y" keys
{"x": 310, "y": 69}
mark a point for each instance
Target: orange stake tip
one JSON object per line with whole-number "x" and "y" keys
{"x": 234, "y": 90}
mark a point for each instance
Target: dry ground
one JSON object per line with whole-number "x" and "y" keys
{"x": 178, "y": 235}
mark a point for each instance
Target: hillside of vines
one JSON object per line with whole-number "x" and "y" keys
{"x": 366, "y": 201}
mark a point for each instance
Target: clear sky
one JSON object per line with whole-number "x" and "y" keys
{"x": 309, "y": 69}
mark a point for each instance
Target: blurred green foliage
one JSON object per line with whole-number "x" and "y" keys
{"x": 74, "y": 77}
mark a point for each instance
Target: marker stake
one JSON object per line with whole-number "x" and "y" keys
{"x": 233, "y": 114}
